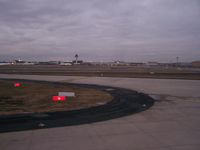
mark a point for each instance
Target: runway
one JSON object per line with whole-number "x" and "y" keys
{"x": 171, "y": 124}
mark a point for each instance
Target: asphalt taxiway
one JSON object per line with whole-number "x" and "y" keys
{"x": 171, "y": 124}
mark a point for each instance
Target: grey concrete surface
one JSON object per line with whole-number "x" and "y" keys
{"x": 171, "y": 124}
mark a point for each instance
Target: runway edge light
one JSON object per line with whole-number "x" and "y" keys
{"x": 17, "y": 84}
{"x": 58, "y": 98}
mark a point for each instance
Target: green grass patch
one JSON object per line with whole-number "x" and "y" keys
{"x": 37, "y": 97}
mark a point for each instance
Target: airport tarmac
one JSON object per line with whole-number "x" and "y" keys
{"x": 171, "y": 124}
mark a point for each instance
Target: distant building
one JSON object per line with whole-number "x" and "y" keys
{"x": 136, "y": 64}
{"x": 66, "y": 63}
{"x": 77, "y": 62}
{"x": 196, "y": 64}
{"x": 185, "y": 64}
{"x": 153, "y": 63}
{"x": 49, "y": 63}
{"x": 120, "y": 63}
{"x": 5, "y": 63}
{"x": 29, "y": 63}
{"x": 54, "y": 62}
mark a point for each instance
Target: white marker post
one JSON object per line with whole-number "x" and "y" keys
{"x": 68, "y": 94}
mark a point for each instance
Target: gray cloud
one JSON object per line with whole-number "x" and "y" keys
{"x": 129, "y": 30}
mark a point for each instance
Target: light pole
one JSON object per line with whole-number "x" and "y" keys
{"x": 177, "y": 59}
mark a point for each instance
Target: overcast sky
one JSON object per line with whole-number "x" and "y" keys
{"x": 100, "y": 30}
